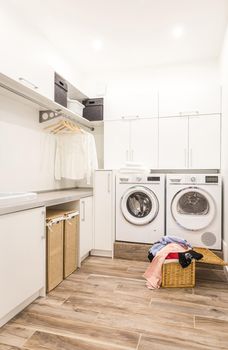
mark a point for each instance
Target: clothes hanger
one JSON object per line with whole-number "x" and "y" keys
{"x": 67, "y": 126}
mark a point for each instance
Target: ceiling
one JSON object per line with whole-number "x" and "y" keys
{"x": 105, "y": 34}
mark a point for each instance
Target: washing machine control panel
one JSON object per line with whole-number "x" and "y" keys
{"x": 139, "y": 178}
{"x": 153, "y": 178}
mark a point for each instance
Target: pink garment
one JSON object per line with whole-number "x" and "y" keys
{"x": 153, "y": 273}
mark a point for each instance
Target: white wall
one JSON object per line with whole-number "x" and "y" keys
{"x": 26, "y": 151}
{"x": 145, "y": 79}
{"x": 224, "y": 168}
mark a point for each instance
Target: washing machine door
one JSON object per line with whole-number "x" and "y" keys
{"x": 139, "y": 205}
{"x": 193, "y": 208}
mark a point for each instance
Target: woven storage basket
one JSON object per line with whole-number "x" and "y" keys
{"x": 174, "y": 276}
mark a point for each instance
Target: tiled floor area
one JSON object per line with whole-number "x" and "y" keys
{"x": 106, "y": 305}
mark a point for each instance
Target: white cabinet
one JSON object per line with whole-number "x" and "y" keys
{"x": 173, "y": 143}
{"x": 204, "y": 142}
{"x": 133, "y": 140}
{"x": 116, "y": 144}
{"x": 25, "y": 60}
{"x": 86, "y": 226}
{"x": 103, "y": 212}
{"x": 144, "y": 142}
{"x": 192, "y": 99}
{"x": 130, "y": 100}
{"x": 189, "y": 142}
{"x": 22, "y": 254}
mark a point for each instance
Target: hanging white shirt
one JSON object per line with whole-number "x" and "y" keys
{"x": 76, "y": 156}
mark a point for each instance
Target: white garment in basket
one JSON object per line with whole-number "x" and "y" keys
{"x": 76, "y": 156}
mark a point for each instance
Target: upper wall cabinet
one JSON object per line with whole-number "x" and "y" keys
{"x": 134, "y": 141}
{"x": 116, "y": 143}
{"x": 129, "y": 102}
{"x": 144, "y": 142}
{"x": 189, "y": 142}
{"x": 24, "y": 57}
{"x": 180, "y": 100}
{"x": 173, "y": 143}
{"x": 204, "y": 142}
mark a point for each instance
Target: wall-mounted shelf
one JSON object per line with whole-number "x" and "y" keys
{"x": 43, "y": 103}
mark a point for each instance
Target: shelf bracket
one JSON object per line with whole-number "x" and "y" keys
{"x": 44, "y": 116}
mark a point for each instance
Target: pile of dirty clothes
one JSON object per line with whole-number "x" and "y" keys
{"x": 168, "y": 249}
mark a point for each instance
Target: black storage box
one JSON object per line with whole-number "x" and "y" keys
{"x": 60, "y": 90}
{"x": 93, "y": 110}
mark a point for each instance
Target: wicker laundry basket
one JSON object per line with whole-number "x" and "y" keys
{"x": 174, "y": 276}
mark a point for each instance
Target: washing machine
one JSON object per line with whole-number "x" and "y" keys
{"x": 194, "y": 209}
{"x": 140, "y": 206}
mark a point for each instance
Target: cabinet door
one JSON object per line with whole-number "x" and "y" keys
{"x": 25, "y": 60}
{"x": 204, "y": 142}
{"x": 177, "y": 100}
{"x": 103, "y": 210}
{"x": 22, "y": 252}
{"x": 144, "y": 142}
{"x": 116, "y": 144}
{"x": 173, "y": 143}
{"x": 86, "y": 226}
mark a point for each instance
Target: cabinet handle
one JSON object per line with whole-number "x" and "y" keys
{"x": 28, "y": 82}
{"x": 83, "y": 210}
{"x": 109, "y": 183}
{"x": 188, "y": 113}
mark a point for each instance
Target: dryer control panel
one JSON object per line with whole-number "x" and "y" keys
{"x": 194, "y": 179}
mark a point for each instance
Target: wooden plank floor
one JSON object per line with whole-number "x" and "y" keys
{"x": 106, "y": 305}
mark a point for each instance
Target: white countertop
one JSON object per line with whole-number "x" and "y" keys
{"x": 47, "y": 199}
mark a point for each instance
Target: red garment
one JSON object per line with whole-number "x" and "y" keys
{"x": 172, "y": 256}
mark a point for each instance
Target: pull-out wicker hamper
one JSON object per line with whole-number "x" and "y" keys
{"x": 174, "y": 276}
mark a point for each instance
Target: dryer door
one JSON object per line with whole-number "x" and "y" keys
{"x": 193, "y": 208}
{"x": 139, "y": 205}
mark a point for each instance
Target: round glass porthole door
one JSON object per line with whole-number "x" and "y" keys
{"x": 139, "y": 205}
{"x": 193, "y": 208}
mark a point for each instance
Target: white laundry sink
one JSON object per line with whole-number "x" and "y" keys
{"x": 15, "y": 197}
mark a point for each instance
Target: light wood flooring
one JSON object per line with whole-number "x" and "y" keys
{"x": 106, "y": 305}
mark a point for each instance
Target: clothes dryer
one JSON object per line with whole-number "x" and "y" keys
{"x": 193, "y": 209}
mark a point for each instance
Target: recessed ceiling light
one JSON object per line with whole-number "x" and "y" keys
{"x": 177, "y": 32}
{"x": 97, "y": 44}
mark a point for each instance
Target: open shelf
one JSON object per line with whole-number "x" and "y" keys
{"x": 43, "y": 103}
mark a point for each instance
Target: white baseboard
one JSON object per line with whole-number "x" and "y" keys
{"x": 19, "y": 308}
{"x": 99, "y": 252}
